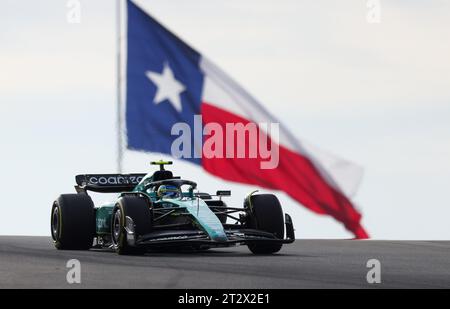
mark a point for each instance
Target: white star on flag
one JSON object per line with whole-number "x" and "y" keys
{"x": 168, "y": 87}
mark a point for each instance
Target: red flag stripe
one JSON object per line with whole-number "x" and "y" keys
{"x": 295, "y": 175}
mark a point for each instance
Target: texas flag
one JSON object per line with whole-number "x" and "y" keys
{"x": 171, "y": 86}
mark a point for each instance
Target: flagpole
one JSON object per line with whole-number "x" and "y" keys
{"x": 119, "y": 86}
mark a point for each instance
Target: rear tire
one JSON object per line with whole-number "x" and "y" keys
{"x": 139, "y": 210}
{"x": 73, "y": 222}
{"x": 265, "y": 214}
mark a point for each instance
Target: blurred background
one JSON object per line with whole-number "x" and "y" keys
{"x": 374, "y": 91}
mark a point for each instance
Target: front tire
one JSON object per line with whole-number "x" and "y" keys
{"x": 265, "y": 214}
{"x": 139, "y": 210}
{"x": 73, "y": 222}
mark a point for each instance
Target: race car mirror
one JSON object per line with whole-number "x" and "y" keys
{"x": 223, "y": 193}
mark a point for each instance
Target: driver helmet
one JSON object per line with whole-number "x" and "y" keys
{"x": 169, "y": 191}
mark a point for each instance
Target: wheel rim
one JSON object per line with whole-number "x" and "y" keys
{"x": 55, "y": 223}
{"x": 116, "y": 226}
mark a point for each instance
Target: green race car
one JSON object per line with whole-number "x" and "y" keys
{"x": 160, "y": 211}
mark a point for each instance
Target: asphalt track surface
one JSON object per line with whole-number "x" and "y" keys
{"x": 33, "y": 262}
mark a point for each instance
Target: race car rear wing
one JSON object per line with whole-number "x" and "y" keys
{"x": 107, "y": 183}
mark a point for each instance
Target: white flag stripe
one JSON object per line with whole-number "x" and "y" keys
{"x": 222, "y": 91}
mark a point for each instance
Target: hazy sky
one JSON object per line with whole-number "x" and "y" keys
{"x": 376, "y": 94}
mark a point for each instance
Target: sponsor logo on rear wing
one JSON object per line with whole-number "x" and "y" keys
{"x": 108, "y": 182}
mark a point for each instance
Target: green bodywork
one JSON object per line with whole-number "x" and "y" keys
{"x": 199, "y": 212}
{"x": 103, "y": 219}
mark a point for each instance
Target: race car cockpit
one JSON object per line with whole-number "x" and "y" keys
{"x": 169, "y": 191}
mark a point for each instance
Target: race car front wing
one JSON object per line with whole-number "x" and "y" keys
{"x": 191, "y": 238}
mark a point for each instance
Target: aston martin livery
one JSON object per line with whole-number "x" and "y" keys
{"x": 163, "y": 212}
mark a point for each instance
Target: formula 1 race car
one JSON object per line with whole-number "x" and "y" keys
{"x": 161, "y": 211}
